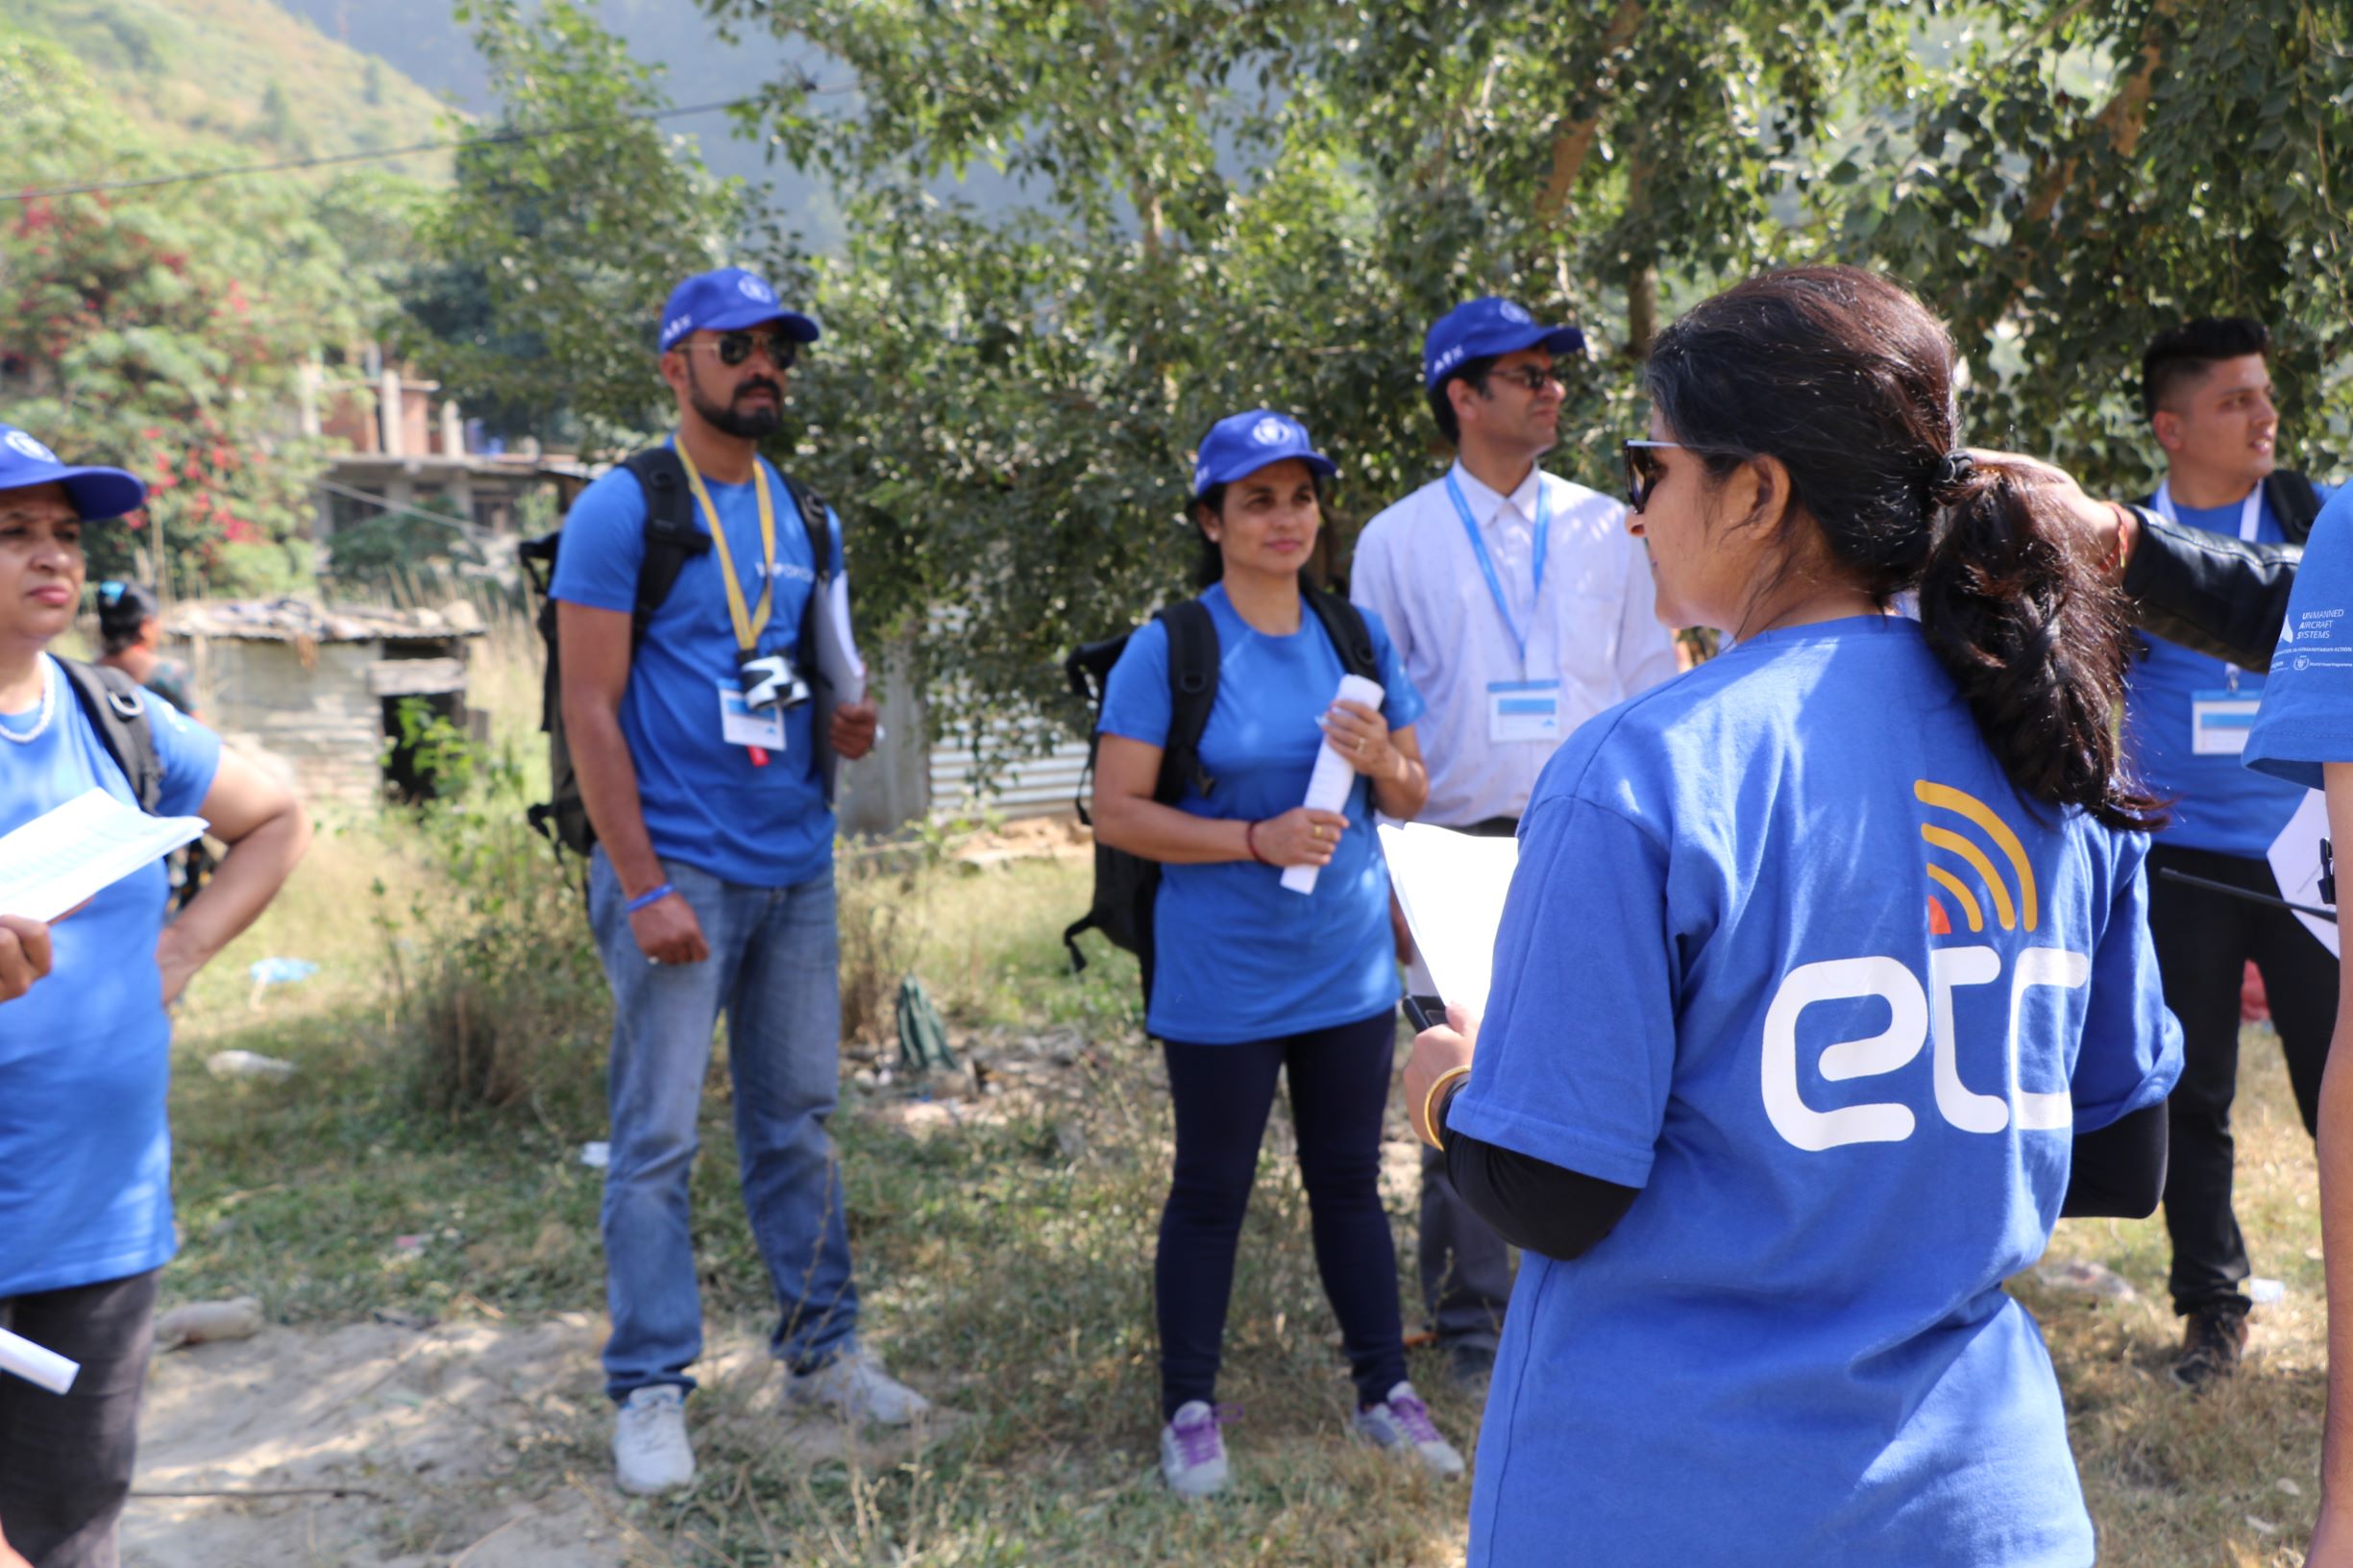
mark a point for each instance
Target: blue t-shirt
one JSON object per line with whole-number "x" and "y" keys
{"x": 86, "y": 1191}
{"x": 704, "y": 800}
{"x": 2307, "y": 716}
{"x": 1238, "y": 957}
{"x": 1785, "y": 952}
{"x": 2217, "y": 805}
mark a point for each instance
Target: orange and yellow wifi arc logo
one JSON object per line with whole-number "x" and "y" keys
{"x": 2011, "y": 910}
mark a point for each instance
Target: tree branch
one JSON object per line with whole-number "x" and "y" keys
{"x": 1574, "y": 141}
{"x": 2122, "y": 121}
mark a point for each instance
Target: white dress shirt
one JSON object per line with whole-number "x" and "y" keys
{"x": 1591, "y": 627}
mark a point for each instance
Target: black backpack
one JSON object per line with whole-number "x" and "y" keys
{"x": 672, "y": 539}
{"x": 116, "y": 709}
{"x": 1126, "y": 885}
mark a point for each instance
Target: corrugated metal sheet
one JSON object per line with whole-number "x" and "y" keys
{"x": 1039, "y": 786}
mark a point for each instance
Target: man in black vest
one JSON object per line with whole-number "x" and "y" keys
{"x": 2206, "y": 386}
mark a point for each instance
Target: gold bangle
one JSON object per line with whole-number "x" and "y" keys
{"x": 1430, "y": 1115}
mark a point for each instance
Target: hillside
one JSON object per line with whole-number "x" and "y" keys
{"x": 238, "y": 81}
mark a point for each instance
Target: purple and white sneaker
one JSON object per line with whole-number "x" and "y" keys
{"x": 1401, "y": 1423}
{"x": 1192, "y": 1455}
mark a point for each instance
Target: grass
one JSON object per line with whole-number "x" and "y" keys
{"x": 1005, "y": 1264}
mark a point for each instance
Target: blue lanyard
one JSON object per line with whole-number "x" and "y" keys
{"x": 1486, "y": 562}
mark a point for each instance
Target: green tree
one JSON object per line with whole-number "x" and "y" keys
{"x": 162, "y": 330}
{"x": 1241, "y": 202}
{"x": 2086, "y": 174}
{"x": 553, "y": 253}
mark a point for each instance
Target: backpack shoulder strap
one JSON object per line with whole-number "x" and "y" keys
{"x": 812, "y": 509}
{"x": 1344, "y": 623}
{"x": 1192, "y": 691}
{"x": 2294, "y": 501}
{"x": 671, "y": 538}
{"x": 116, "y": 709}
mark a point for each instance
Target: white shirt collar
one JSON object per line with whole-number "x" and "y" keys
{"x": 1486, "y": 504}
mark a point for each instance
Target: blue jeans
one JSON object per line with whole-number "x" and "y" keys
{"x": 773, "y": 970}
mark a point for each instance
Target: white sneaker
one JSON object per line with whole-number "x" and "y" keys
{"x": 1192, "y": 1453}
{"x": 858, "y": 1389}
{"x": 1401, "y": 1424}
{"x": 650, "y": 1448}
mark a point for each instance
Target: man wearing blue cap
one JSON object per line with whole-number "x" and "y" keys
{"x": 1521, "y": 607}
{"x": 703, "y": 763}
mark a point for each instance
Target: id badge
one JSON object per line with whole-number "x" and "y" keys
{"x": 2219, "y": 721}
{"x": 738, "y": 726}
{"x": 1523, "y": 710}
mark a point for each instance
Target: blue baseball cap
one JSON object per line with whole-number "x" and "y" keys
{"x": 721, "y": 301}
{"x": 97, "y": 493}
{"x": 1242, "y": 444}
{"x": 1481, "y": 328}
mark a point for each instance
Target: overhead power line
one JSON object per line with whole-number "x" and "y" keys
{"x": 492, "y": 139}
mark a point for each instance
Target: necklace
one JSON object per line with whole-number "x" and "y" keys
{"x": 49, "y": 711}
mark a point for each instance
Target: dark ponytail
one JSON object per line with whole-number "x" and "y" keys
{"x": 2037, "y": 641}
{"x": 1847, "y": 378}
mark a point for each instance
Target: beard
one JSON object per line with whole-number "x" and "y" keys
{"x": 748, "y": 424}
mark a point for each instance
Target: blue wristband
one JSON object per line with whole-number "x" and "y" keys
{"x": 652, "y": 895}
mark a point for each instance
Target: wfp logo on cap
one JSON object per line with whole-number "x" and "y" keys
{"x": 1268, "y": 430}
{"x": 751, "y": 288}
{"x": 1516, "y": 315}
{"x": 24, "y": 446}
{"x": 1201, "y": 477}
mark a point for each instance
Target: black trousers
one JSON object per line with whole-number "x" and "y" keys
{"x": 66, "y": 1459}
{"x": 2204, "y": 940}
{"x": 1339, "y": 1083}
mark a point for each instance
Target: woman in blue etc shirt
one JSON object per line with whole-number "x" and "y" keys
{"x": 1824, "y": 989}
{"x": 1250, "y": 979}
{"x": 85, "y": 1212}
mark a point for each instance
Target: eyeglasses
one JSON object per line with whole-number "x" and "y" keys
{"x": 1529, "y": 378}
{"x": 1643, "y": 469}
{"x": 734, "y": 348}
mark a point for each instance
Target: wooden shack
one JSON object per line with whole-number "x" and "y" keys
{"x": 314, "y": 691}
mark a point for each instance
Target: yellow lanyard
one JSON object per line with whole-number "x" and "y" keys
{"x": 748, "y": 623}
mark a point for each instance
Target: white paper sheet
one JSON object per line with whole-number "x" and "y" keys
{"x": 837, "y": 650}
{"x": 35, "y": 1364}
{"x": 61, "y": 858}
{"x": 1452, "y": 887}
{"x": 2295, "y": 861}
{"x": 1328, "y": 785}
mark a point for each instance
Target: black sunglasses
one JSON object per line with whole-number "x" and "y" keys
{"x": 1643, "y": 466}
{"x": 734, "y": 348}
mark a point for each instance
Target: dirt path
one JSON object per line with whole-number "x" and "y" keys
{"x": 377, "y": 1445}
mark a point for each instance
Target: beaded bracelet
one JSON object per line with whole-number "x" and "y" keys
{"x": 652, "y": 895}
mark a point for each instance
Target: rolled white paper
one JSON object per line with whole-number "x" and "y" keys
{"x": 31, "y": 1363}
{"x": 1328, "y": 785}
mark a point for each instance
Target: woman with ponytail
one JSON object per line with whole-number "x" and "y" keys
{"x": 1824, "y": 989}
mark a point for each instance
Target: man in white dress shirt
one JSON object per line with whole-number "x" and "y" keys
{"x": 1521, "y": 607}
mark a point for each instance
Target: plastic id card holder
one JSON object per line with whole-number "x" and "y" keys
{"x": 740, "y": 726}
{"x": 2219, "y": 721}
{"x": 1523, "y": 710}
